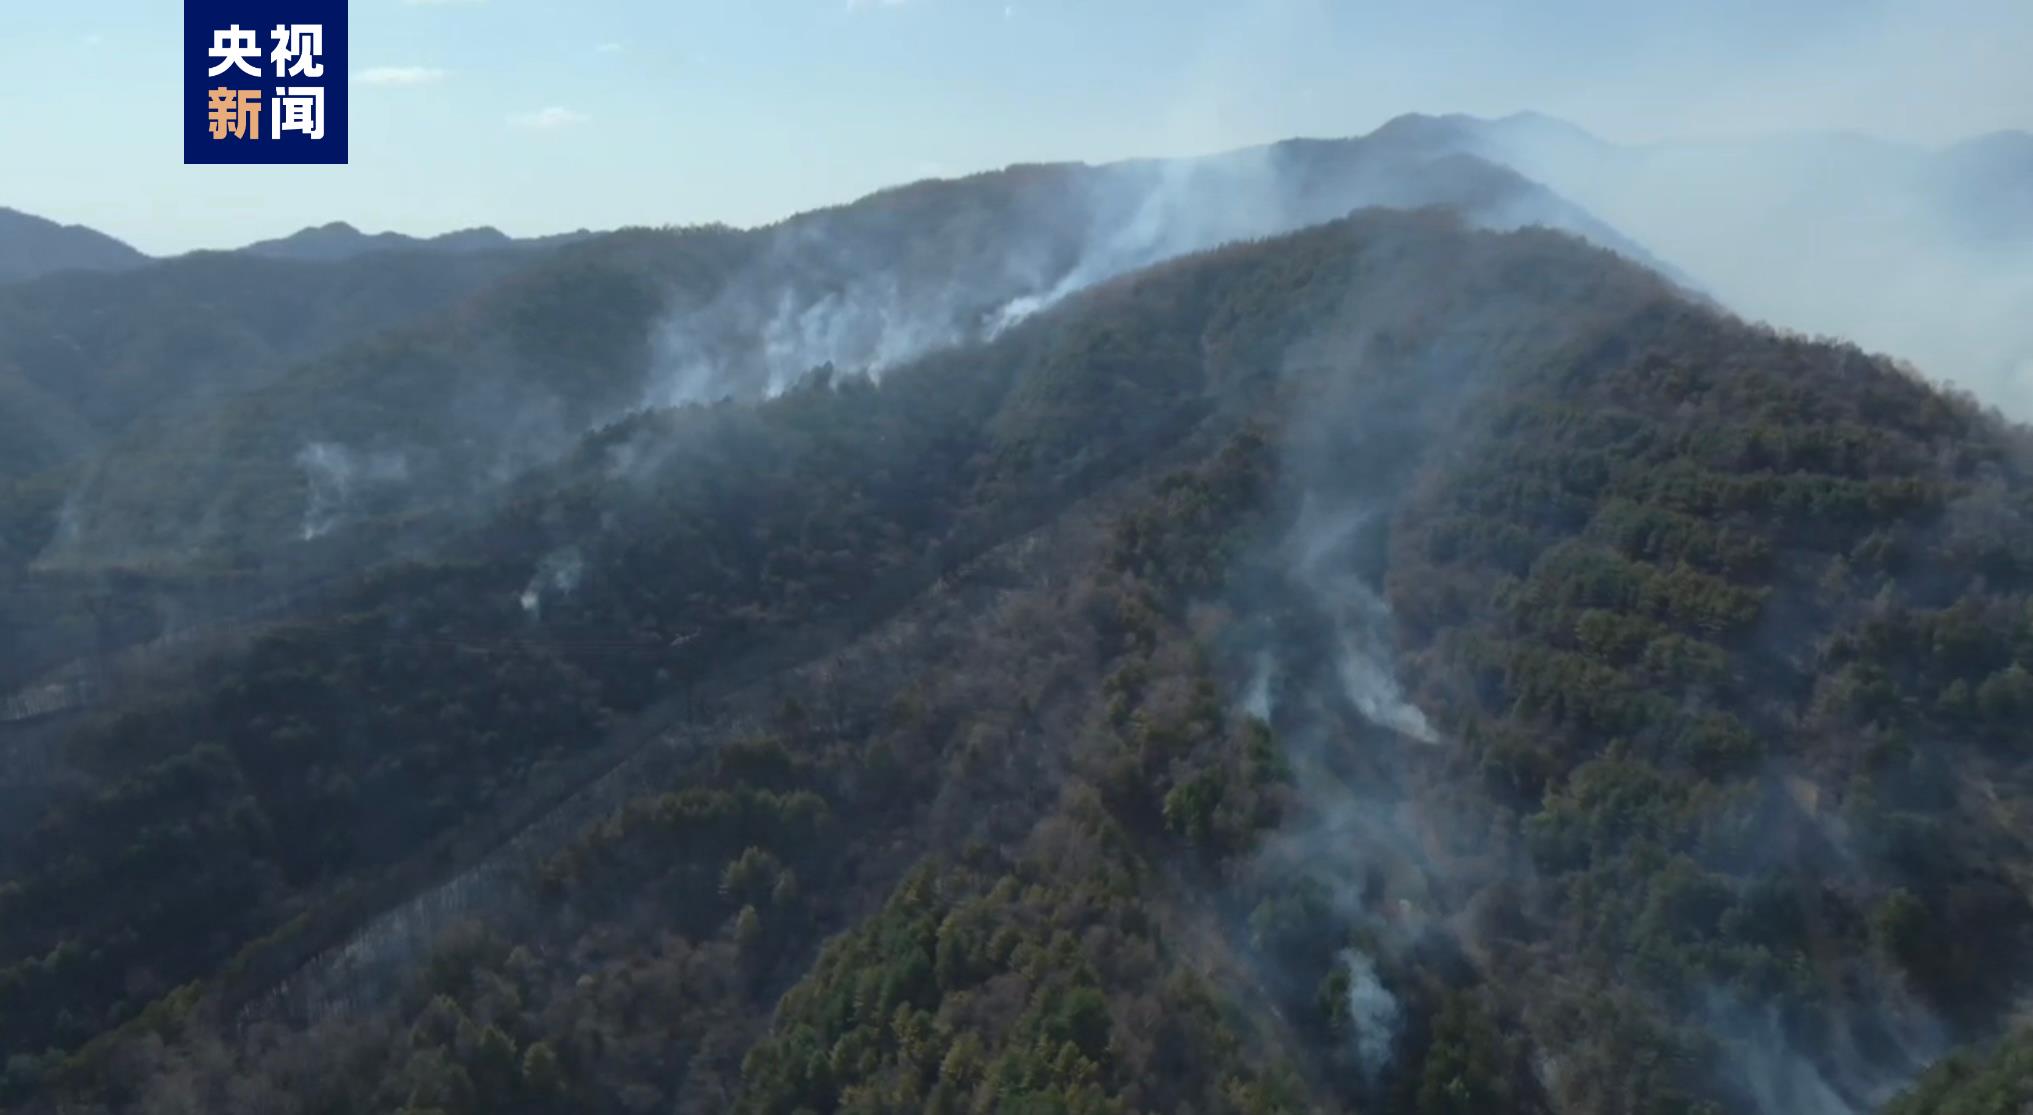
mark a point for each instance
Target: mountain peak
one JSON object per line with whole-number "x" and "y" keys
{"x": 1420, "y": 129}
{"x": 31, "y": 246}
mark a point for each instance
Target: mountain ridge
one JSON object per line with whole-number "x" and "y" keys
{"x": 858, "y": 287}
{"x": 32, "y": 246}
{"x": 336, "y": 240}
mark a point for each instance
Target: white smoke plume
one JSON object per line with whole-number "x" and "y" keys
{"x": 866, "y": 288}
{"x": 1258, "y": 701}
{"x": 558, "y": 573}
{"x": 1374, "y": 1015}
{"x": 1319, "y": 544}
{"x": 847, "y": 289}
{"x": 335, "y": 477}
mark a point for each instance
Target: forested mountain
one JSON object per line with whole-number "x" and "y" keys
{"x": 1393, "y": 666}
{"x": 32, "y": 246}
{"x": 219, "y": 433}
{"x": 475, "y": 389}
{"x": 94, "y": 366}
{"x": 1138, "y": 638}
{"x": 85, "y": 356}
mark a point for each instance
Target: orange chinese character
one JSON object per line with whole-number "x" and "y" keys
{"x": 237, "y": 111}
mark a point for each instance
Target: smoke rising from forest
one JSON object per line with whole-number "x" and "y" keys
{"x": 824, "y": 292}
{"x": 335, "y": 477}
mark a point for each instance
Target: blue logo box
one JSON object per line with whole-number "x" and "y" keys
{"x": 265, "y": 81}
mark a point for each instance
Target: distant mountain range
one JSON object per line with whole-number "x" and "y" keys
{"x": 32, "y": 246}
{"x": 339, "y": 240}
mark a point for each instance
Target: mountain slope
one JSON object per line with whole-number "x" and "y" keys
{"x": 516, "y": 352}
{"x": 31, "y": 246}
{"x": 823, "y": 511}
{"x": 335, "y": 413}
{"x": 176, "y": 337}
{"x": 505, "y": 375}
{"x": 1390, "y": 667}
{"x": 1736, "y": 625}
{"x": 89, "y": 363}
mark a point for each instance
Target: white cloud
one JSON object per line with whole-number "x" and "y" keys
{"x": 441, "y": 3}
{"x": 399, "y": 75}
{"x": 549, "y": 118}
{"x": 608, "y": 48}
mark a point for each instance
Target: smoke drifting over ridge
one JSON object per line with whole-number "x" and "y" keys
{"x": 870, "y": 286}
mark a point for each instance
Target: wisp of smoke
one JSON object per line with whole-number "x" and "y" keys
{"x": 335, "y": 476}
{"x": 1318, "y": 543}
{"x": 1780, "y": 1078}
{"x": 1373, "y": 1014}
{"x": 1257, "y": 701}
{"x": 559, "y": 572}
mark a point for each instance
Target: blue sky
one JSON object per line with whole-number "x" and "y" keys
{"x": 543, "y": 115}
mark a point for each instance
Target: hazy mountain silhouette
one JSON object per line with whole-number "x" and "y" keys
{"x": 32, "y": 246}
{"x": 339, "y": 240}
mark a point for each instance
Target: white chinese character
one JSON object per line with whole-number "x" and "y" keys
{"x": 302, "y": 42}
{"x": 298, "y": 108}
{"x": 234, "y": 47}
